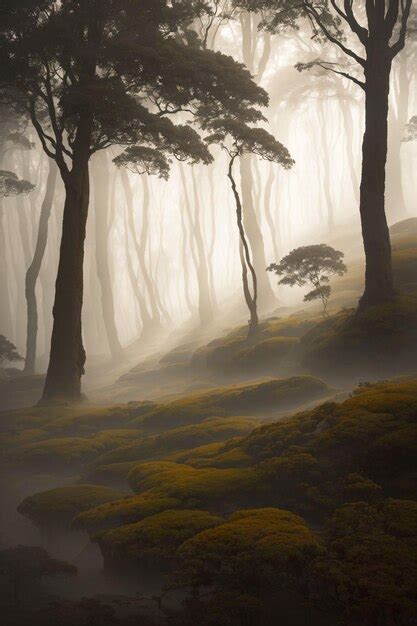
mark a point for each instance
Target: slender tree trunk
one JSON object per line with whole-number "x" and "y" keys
{"x": 378, "y": 274}
{"x": 34, "y": 269}
{"x": 144, "y": 313}
{"x": 254, "y": 233}
{"x": 245, "y": 257}
{"x": 101, "y": 207}
{"x": 5, "y": 313}
{"x": 212, "y": 240}
{"x": 326, "y": 169}
{"x": 268, "y": 212}
{"x": 349, "y": 131}
{"x": 67, "y": 357}
{"x": 185, "y": 267}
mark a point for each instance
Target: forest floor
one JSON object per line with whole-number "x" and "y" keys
{"x": 309, "y": 428}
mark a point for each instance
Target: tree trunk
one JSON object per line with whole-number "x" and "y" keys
{"x": 254, "y": 234}
{"x": 67, "y": 356}
{"x": 268, "y": 212}
{"x": 144, "y": 313}
{"x": 6, "y": 328}
{"x": 245, "y": 258}
{"x": 34, "y": 269}
{"x": 378, "y": 273}
{"x": 101, "y": 206}
{"x": 349, "y": 131}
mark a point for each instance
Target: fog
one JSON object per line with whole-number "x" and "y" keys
{"x": 196, "y": 348}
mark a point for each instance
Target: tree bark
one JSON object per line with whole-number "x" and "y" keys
{"x": 246, "y": 261}
{"x": 67, "y": 356}
{"x": 101, "y": 206}
{"x": 6, "y": 327}
{"x": 378, "y": 273}
{"x": 32, "y": 273}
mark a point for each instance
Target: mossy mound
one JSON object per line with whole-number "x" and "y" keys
{"x": 381, "y": 341}
{"x": 211, "y": 430}
{"x": 125, "y": 511}
{"x": 254, "y": 550}
{"x": 60, "y": 453}
{"x": 153, "y": 541}
{"x": 265, "y": 397}
{"x": 233, "y": 351}
{"x": 57, "y": 507}
{"x": 370, "y": 570}
{"x": 217, "y": 489}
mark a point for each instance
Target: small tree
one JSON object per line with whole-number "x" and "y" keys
{"x": 311, "y": 265}
{"x": 237, "y": 139}
{"x": 8, "y": 351}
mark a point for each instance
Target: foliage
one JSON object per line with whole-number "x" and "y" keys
{"x": 57, "y": 507}
{"x": 154, "y": 540}
{"x": 411, "y": 129}
{"x": 12, "y": 185}
{"x": 8, "y": 351}
{"x": 311, "y": 265}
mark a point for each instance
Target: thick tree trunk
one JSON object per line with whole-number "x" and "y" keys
{"x": 378, "y": 273}
{"x": 101, "y": 206}
{"x": 67, "y": 357}
{"x": 34, "y": 269}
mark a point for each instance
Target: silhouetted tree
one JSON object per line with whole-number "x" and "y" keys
{"x": 238, "y": 139}
{"x": 104, "y": 72}
{"x": 311, "y": 265}
{"x": 382, "y": 39}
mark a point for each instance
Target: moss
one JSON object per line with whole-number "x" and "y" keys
{"x": 211, "y": 430}
{"x": 124, "y": 511}
{"x": 253, "y": 551}
{"x": 370, "y": 571}
{"x": 58, "y": 506}
{"x": 221, "y": 489}
{"x": 266, "y": 354}
{"x": 263, "y": 397}
{"x": 59, "y": 453}
{"x": 380, "y": 341}
{"x": 154, "y": 540}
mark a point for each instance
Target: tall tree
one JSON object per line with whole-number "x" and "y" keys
{"x": 103, "y": 72}
{"x": 380, "y": 31}
{"x": 238, "y": 139}
{"x": 33, "y": 270}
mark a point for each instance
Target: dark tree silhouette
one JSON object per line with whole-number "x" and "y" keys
{"x": 382, "y": 38}
{"x": 238, "y": 139}
{"x": 311, "y": 265}
{"x": 106, "y": 72}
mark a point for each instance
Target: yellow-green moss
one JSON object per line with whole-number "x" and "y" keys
{"x": 60, "y": 505}
{"x": 156, "y": 538}
{"x": 124, "y": 511}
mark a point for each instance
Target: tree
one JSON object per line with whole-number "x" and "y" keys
{"x": 382, "y": 39}
{"x": 311, "y": 265}
{"x": 237, "y": 139}
{"x": 8, "y": 351}
{"x": 102, "y": 72}
{"x": 33, "y": 270}
{"x": 411, "y": 129}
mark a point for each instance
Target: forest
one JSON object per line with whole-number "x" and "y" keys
{"x": 208, "y": 312}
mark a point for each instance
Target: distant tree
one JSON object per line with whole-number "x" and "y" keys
{"x": 411, "y": 129}
{"x": 378, "y": 32}
{"x": 237, "y": 138}
{"x": 311, "y": 265}
{"x": 22, "y": 566}
{"x": 99, "y": 73}
{"x": 8, "y": 351}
